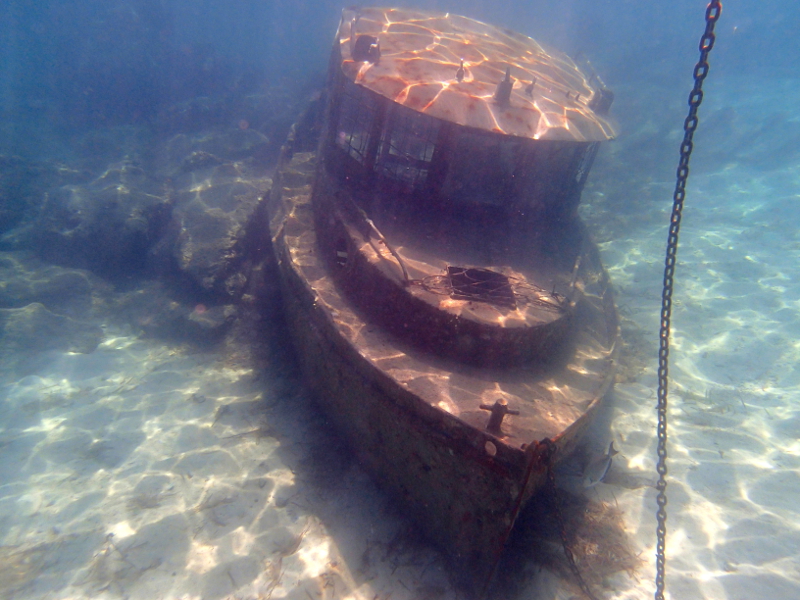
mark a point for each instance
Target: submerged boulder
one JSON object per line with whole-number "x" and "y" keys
{"x": 154, "y": 310}
{"x": 47, "y": 308}
{"x": 213, "y": 220}
{"x": 24, "y": 279}
{"x": 219, "y": 183}
{"x": 34, "y": 328}
{"x": 184, "y": 153}
{"x": 107, "y": 226}
{"x": 23, "y": 190}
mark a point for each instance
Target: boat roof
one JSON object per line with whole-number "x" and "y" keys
{"x": 420, "y": 62}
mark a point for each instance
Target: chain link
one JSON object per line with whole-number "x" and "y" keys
{"x": 713, "y": 12}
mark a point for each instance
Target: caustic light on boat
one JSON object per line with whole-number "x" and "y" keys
{"x": 420, "y": 249}
{"x": 469, "y": 73}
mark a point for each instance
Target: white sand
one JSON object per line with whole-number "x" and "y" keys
{"x": 734, "y": 418}
{"x": 141, "y": 471}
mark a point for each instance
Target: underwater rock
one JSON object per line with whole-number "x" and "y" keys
{"x": 107, "y": 226}
{"x": 270, "y": 111}
{"x": 185, "y": 153}
{"x": 199, "y": 160}
{"x": 194, "y": 114}
{"x": 213, "y": 226}
{"x": 189, "y": 208}
{"x": 104, "y": 145}
{"x": 23, "y": 187}
{"x": 199, "y": 325}
{"x": 18, "y": 190}
{"x": 216, "y": 206}
{"x": 34, "y": 329}
{"x": 155, "y": 312}
{"x": 206, "y": 324}
{"x": 26, "y": 280}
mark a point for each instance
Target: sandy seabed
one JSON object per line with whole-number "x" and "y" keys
{"x": 149, "y": 471}
{"x": 734, "y": 417}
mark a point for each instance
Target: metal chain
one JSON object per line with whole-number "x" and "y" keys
{"x": 547, "y": 456}
{"x": 713, "y": 12}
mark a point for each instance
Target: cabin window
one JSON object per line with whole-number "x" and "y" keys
{"x": 356, "y": 117}
{"x": 557, "y": 170}
{"x": 407, "y": 144}
{"x": 482, "y": 169}
{"x": 585, "y": 163}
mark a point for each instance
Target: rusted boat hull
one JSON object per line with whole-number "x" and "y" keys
{"x": 462, "y": 485}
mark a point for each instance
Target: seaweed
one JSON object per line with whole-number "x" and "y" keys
{"x": 594, "y": 531}
{"x": 111, "y": 567}
{"x": 146, "y": 500}
{"x": 274, "y": 571}
{"x": 262, "y": 432}
{"x": 595, "y": 534}
{"x": 291, "y": 544}
{"x": 600, "y": 545}
{"x": 19, "y": 566}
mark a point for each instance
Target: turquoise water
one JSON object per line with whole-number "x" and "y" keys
{"x": 144, "y": 455}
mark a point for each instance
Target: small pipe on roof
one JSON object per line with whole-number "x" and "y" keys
{"x": 353, "y": 24}
{"x": 503, "y": 93}
{"x": 529, "y": 89}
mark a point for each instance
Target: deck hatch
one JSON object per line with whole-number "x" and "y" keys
{"x": 481, "y": 285}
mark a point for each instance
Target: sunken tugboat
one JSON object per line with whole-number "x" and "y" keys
{"x": 448, "y": 307}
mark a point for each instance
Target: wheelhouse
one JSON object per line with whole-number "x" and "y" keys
{"x": 510, "y": 131}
